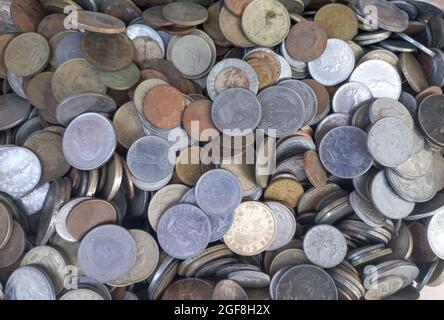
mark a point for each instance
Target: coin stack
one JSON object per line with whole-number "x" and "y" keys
{"x": 231, "y": 150}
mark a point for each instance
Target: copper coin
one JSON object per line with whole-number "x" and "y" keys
{"x": 197, "y": 121}
{"x": 270, "y": 59}
{"x": 15, "y": 247}
{"x": 124, "y": 10}
{"x": 179, "y": 30}
{"x": 152, "y": 74}
{"x": 37, "y": 88}
{"x": 163, "y": 107}
{"x": 306, "y": 41}
{"x": 146, "y": 49}
{"x": 323, "y": 98}
{"x": 165, "y": 67}
{"x": 88, "y": 215}
{"x": 154, "y": 17}
{"x": 109, "y": 52}
{"x": 428, "y": 92}
{"x": 4, "y": 41}
{"x": 128, "y": 125}
{"x": 263, "y": 71}
{"x": 97, "y": 22}
{"x": 189, "y": 289}
{"x": 338, "y": 20}
{"x": 422, "y": 253}
{"x": 314, "y": 169}
{"x": 25, "y": 14}
{"x": 237, "y": 7}
{"x": 51, "y": 25}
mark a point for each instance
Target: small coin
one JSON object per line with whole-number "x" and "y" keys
{"x": 29, "y": 283}
{"x": 189, "y": 289}
{"x": 153, "y": 16}
{"x": 185, "y": 13}
{"x": 184, "y": 231}
{"x": 96, "y": 22}
{"x": 306, "y": 41}
{"x": 143, "y": 89}
{"x": 89, "y": 141}
{"x": 338, "y": 21}
{"x": 228, "y": 290}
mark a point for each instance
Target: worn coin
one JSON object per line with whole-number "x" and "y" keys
{"x": 434, "y": 232}
{"x": 29, "y": 283}
{"x": 230, "y": 26}
{"x": 306, "y": 41}
{"x": 185, "y": 13}
{"x": 127, "y": 125}
{"x": 14, "y": 110}
{"x": 338, "y": 21}
{"x": 228, "y": 290}
{"x": 421, "y": 189}
{"x": 96, "y": 22}
{"x": 190, "y": 289}
{"x": 286, "y": 225}
{"x": 430, "y": 112}
{"x": 286, "y": 190}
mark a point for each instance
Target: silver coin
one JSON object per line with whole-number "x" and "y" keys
{"x": 372, "y": 37}
{"x": 220, "y": 226}
{"x": 366, "y": 211}
{"x": 73, "y": 106}
{"x": 308, "y": 97}
{"x": 20, "y": 171}
{"x": 292, "y": 147}
{"x": 16, "y": 84}
{"x": 155, "y": 186}
{"x": 184, "y": 231}
{"x": 33, "y": 202}
{"x": 417, "y": 190}
{"x": 275, "y": 281}
{"x": 13, "y": 111}
{"x": 330, "y": 122}
{"x": 305, "y": 282}
{"x": 189, "y": 197}
{"x": 295, "y": 166}
{"x": 286, "y": 225}
{"x": 325, "y": 246}
{"x": 361, "y": 117}
{"x": 417, "y": 165}
{"x": 362, "y": 183}
{"x": 60, "y": 222}
{"x": 107, "y": 253}
{"x": 430, "y": 115}
{"x": 334, "y": 65}
{"x": 407, "y": 271}
{"x": 218, "y": 193}
{"x": 380, "y": 77}
{"x": 81, "y": 295}
{"x": 409, "y": 101}
{"x": 387, "y": 201}
{"x": 416, "y": 44}
{"x": 286, "y": 72}
{"x": 69, "y": 47}
{"x": 437, "y": 68}
{"x": 434, "y": 234}
{"x": 89, "y": 141}
{"x": 26, "y": 129}
{"x": 388, "y": 107}
{"x": 427, "y": 209}
{"x": 236, "y": 112}
{"x": 228, "y": 290}
{"x": 250, "y": 279}
{"x": 29, "y": 283}
{"x": 390, "y": 142}
{"x": 231, "y": 65}
{"x": 141, "y": 30}
{"x": 350, "y": 96}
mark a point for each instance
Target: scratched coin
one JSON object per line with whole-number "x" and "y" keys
{"x": 89, "y": 141}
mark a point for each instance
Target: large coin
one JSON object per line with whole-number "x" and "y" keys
{"x": 339, "y": 21}
{"x": 306, "y": 41}
{"x": 185, "y": 13}
{"x": 29, "y": 283}
{"x": 434, "y": 234}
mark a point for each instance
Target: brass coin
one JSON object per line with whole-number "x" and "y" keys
{"x": 285, "y": 190}
{"x": 314, "y": 169}
{"x": 27, "y": 54}
{"x": 51, "y": 25}
{"x": 96, "y": 22}
{"x": 146, "y": 49}
{"x": 253, "y": 229}
{"x": 339, "y": 21}
{"x": 231, "y": 27}
{"x": 114, "y": 176}
{"x": 128, "y": 125}
{"x": 123, "y": 79}
{"x": 48, "y": 147}
{"x": 153, "y": 16}
{"x": 237, "y": 7}
{"x": 306, "y": 41}
{"x": 163, "y": 107}
{"x": 76, "y": 76}
{"x": 197, "y": 121}
{"x": 185, "y": 13}
{"x": 37, "y": 88}
{"x": 413, "y": 72}
{"x": 188, "y": 165}
{"x": 110, "y": 52}
{"x": 266, "y": 22}
{"x": 4, "y": 42}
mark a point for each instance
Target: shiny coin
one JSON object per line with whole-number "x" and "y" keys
{"x": 286, "y": 225}
{"x": 61, "y": 219}
{"x": 418, "y": 165}
{"x": 434, "y": 234}
{"x": 33, "y": 202}
{"x": 306, "y": 41}
{"x": 29, "y": 283}
{"x": 89, "y": 141}
{"x": 350, "y": 96}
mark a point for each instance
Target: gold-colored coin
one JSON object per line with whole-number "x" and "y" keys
{"x": 188, "y": 165}
{"x": 127, "y": 124}
{"x": 285, "y": 190}
{"x": 76, "y": 76}
{"x": 263, "y": 71}
{"x": 253, "y": 229}
{"x": 338, "y": 20}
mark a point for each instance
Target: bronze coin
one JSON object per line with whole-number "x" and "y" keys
{"x": 26, "y": 14}
{"x": 163, "y": 107}
{"x": 188, "y": 165}
{"x": 37, "y": 88}
{"x": 179, "y": 30}
{"x": 338, "y": 20}
{"x": 51, "y": 25}
{"x": 97, "y": 22}
{"x": 270, "y": 59}
{"x": 263, "y": 71}
{"x": 15, "y": 247}
{"x": 152, "y": 74}
{"x": 166, "y": 67}
{"x": 428, "y": 92}
{"x": 422, "y": 253}
{"x": 4, "y": 41}
{"x": 314, "y": 169}
{"x": 237, "y": 7}
{"x": 154, "y": 17}
{"x": 124, "y": 10}
{"x": 197, "y": 121}
{"x": 109, "y": 52}
{"x": 47, "y": 118}
{"x": 146, "y": 49}
{"x": 189, "y": 289}
{"x": 322, "y": 96}
{"x": 88, "y": 215}
{"x": 306, "y": 41}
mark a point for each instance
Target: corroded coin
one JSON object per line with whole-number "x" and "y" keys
{"x": 14, "y": 248}
{"x": 185, "y": 13}
{"x": 122, "y": 79}
{"x": 306, "y": 41}
{"x": 37, "y": 88}
{"x": 413, "y": 72}
{"x": 253, "y": 229}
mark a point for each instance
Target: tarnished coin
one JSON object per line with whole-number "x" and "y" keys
{"x": 27, "y": 54}
{"x": 231, "y": 27}
{"x": 350, "y": 96}
{"x": 37, "y": 88}
{"x": 218, "y": 193}
{"x": 185, "y": 13}
{"x": 122, "y": 79}
{"x": 89, "y": 141}
{"x": 13, "y": 111}
{"x": 6, "y": 226}
{"x": 286, "y": 190}
{"x": 343, "y": 152}
{"x": 236, "y": 112}
{"x": 306, "y": 282}
{"x": 62, "y": 216}
{"x": 76, "y": 76}
{"x": 143, "y": 89}
{"x": 184, "y": 231}
{"x": 127, "y": 125}
{"x": 29, "y": 283}
{"x": 285, "y": 223}
{"x": 430, "y": 112}
{"x": 418, "y": 165}
{"x": 366, "y": 211}
{"x": 314, "y": 169}
{"x": 67, "y": 48}
{"x": 197, "y": 121}
{"x": 325, "y": 246}
{"x": 190, "y": 289}
{"x": 334, "y": 65}
{"x": 422, "y": 251}
{"x": 338, "y": 21}
{"x": 265, "y": 23}
{"x": 228, "y": 290}
{"x": 96, "y": 22}
{"x": 253, "y": 229}
{"x": 14, "y": 248}
{"x": 390, "y": 142}
{"x": 107, "y": 253}
{"x": 237, "y": 7}
{"x": 388, "y": 107}
{"x": 380, "y": 77}
{"x": 283, "y": 111}
{"x": 250, "y": 279}
{"x": 306, "y": 41}
{"x": 422, "y": 189}
{"x": 413, "y": 72}
{"x": 434, "y": 234}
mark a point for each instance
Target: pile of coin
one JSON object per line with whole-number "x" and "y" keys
{"x": 231, "y": 150}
